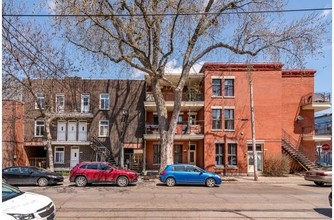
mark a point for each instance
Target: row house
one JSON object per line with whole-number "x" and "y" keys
{"x": 97, "y": 120}
{"x": 116, "y": 120}
{"x": 214, "y": 125}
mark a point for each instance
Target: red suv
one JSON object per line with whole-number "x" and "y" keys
{"x": 101, "y": 172}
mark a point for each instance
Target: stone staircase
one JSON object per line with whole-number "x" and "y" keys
{"x": 289, "y": 145}
{"x": 101, "y": 152}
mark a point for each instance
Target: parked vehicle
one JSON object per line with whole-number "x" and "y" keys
{"x": 330, "y": 198}
{"x": 319, "y": 176}
{"x": 188, "y": 174}
{"x": 101, "y": 172}
{"x": 29, "y": 175}
{"x": 25, "y": 205}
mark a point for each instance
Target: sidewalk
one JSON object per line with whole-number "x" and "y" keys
{"x": 264, "y": 179}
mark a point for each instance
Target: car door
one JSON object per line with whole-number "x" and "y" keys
{"x": 92, "y": 172}
{"x": 28, "y": 176}
{"x": 180, "y": 174}
{"x": 11, "y": 174}
{"x": 108, "y": 173}
{"x": 195, "y": 175}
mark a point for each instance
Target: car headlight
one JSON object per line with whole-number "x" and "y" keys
{"x": 22, "y": 216}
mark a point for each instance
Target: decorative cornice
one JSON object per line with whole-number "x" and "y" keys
{"x": 241, "y": 67}
{"x": 298, "y": 73}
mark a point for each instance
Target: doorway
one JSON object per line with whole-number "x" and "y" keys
{"x": 192, "y": 154}
{"x": 177, "y": 153}
{"x": 74, "y": 156}
{"x": 250, "y": 158}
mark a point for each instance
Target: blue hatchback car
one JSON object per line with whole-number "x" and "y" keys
{"x": 188, "y": 174}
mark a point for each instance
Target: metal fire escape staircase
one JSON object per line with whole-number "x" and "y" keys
{"x": 289, "y": 145}
{"x": 101, "y": 152}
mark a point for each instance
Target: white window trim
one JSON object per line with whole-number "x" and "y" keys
{"x": 229, "y": 77}
{"x": 63, "y": 155}
{"x": 103, "y": 135}
{"x": 63, "y": 106}
{"x": 82, "y": 102}
{"x": 108, "y": 107}
{"x": 35, "y": 128}
{"x": 38, "y": 98}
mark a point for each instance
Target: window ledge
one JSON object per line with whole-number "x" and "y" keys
{"x": 229, "y": 130}
{"x": 229, "y": 97}
{"x": 216, "y": 97}
{"x": 217, "y": 130}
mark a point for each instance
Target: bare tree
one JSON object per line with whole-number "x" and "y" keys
{"x": 28, "y": 55}
{"x": 147, "y": 34}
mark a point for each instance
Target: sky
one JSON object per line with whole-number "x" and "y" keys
{"x": 321, "y": 63}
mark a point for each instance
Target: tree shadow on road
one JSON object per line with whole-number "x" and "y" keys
{"x": 324, "y": 211}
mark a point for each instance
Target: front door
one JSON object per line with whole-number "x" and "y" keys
{"x": 74, "y": 156}
{"x": 82, "y": 131}
{"x": 192, "y": 154}
{"x": 72, "y": 131}
{"x": 177, "y": 153}
{"x": 61, "y": 131}
{"x": 251, "y": 159}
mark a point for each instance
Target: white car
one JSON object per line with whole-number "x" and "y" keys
{"x": 25, "y": 205}
{"x": 319, "y": 176}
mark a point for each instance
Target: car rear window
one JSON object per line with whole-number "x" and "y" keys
{"x": 178, "y": 168}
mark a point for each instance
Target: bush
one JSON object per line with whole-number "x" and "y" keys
{"x": 277, "y": 165}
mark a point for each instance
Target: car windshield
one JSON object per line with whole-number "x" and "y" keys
{"x": 9, "y": 192}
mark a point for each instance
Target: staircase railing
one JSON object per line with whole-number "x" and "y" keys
{"x": 101, "y": 150}
{"x": 290, "y": 145}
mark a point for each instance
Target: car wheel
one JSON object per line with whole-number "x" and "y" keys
{"x": 122, "y": 181}
{"x": 170, "y": 181}
{"x": 42, "y": 181}
{"x": 319, "y": 183}
{"x": 210, "y": 182}
{"x": 81, "y": 181}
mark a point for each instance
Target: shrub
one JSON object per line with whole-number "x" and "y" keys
{"x": 277, "y": 165}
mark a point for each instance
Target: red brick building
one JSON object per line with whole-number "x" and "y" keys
{"x": 216, "y": 105}
{"x": 13, "y": 152}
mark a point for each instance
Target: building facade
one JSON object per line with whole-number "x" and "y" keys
{"x": 99, "y": 120}
{"x": 116, "y": 120}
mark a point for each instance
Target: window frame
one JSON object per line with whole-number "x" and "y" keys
{"x": 40, "y": 98}
{"x": 61, "y": 154}
{"x": 220, "y": 154}
{"x": 41, "y": 129}
{"x": 58, "y": 107}
{"x": 229, "y": 119}
{"x": 231, "y": 154}
{"x": 215, "y": 88}
{"x": 83, "y": 109}
{"x": 103, "y": 128}
{"x": 228, "y": 88}
{"x": 104, "y": 101}
{"x": 216, "y": 122}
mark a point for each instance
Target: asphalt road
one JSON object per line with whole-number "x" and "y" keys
{"x": 152, "y": 200}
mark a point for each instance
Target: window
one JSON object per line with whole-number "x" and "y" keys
{"x": 229, "y": 87}
{"x": 229, "y": 119}
{"x": 59, "y": 154}
{"x": 104, "y": 128}
{"x": 40, "y": 101}
{"x": 179, "y": 119}
{"x": 155, "y": 120}
{"x": 220, "y": 154}
{"x": 192, "y": 119}
{"x": 92, "y": 166}
{"x": 39, "y": 128}
{"x": 85, "y": 103}
{"x": 216, "y": 119}
{"x": 216, "y": 87}
{"x": 156, "y": 153}
{"x": 232, "y": 154}
{"x": 60, "y": 103}
{"x": 104, "y": 101}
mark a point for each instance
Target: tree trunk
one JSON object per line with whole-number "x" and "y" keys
{"x": 48, "y": 143}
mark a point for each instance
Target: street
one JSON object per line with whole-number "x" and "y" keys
{"x": 153, "y": 200}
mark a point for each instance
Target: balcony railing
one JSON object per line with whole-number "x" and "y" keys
{"x": 181, "y": 129}
{"x": 187, "y": 97}
{"x": 315, "y": 98}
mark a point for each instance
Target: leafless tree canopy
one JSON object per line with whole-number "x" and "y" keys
{"x": 147, "y": 34}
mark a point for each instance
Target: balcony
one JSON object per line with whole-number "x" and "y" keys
{"x": 309, "y": 134}
{"x": 192, "y": 101}
{"x": 182, "y": 132}
{"x": 316, "y": 101}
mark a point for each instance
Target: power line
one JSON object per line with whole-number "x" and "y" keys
{"x": 169, "y": 14}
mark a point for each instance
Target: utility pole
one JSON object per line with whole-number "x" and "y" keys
{"x": 252, "y": 122}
